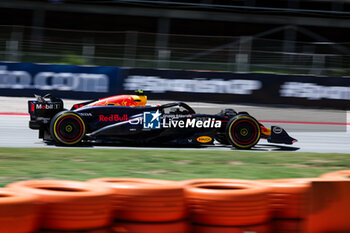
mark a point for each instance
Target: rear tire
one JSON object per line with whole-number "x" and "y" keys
{"x": 243, "y": 131}
{"x": 67, "y": 128}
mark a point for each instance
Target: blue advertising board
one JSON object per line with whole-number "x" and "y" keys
{"x": 64, "y": 81}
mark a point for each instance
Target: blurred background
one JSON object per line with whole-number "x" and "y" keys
{"x": 276, "y": 36}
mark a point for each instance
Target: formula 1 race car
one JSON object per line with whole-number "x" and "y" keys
{"x": 127, "y": 119}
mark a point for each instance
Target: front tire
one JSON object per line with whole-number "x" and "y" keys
{"x": 67, "y": 128}
{"x": 243, "y": 131}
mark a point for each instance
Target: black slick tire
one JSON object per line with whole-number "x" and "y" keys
{"x": 243, "y": 131}
{"x": 67, "y": 128}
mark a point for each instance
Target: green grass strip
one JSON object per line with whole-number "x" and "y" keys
{"x": 82, "y": 164}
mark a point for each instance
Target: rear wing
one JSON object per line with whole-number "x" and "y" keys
{"x": 43, "y": 109}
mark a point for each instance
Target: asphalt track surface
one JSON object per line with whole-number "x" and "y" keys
{"x": 324, "y": 131}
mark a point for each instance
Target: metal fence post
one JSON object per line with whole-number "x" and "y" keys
{"x": 88, "y": 50}
{"x": 130, "y": 51}
{"x": 243, "y": 56}
{"x": 290, "y": 35}
{"x": 88, "y": 53}
{"x": 13, "y": 46}
{"x": 162, "y": 52}
{"x": 318, "y": 62}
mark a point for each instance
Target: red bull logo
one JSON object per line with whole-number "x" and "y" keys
{"x": 113, "y": 117}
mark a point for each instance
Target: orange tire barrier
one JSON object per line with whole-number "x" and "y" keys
{"x": 101, "y": 230}
{"x": 146, "y": 200}
{"x": 264, "y": 228}
{"x": 329, "y": 207}
{"x": 289, "y": 197}
{"x": 19, "y": 212}
{"x": 137, "y": 227}
{"x": 343, "y": 175}
{"x": 70, "y": 205}
{"x": 288, "y": 226}
{"x": 225, "y": 202}
{"x": 107, "y": 230}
